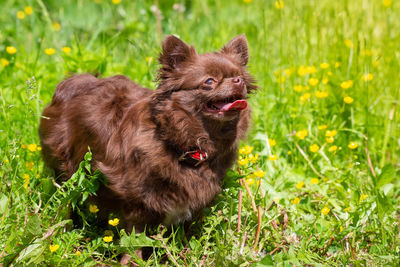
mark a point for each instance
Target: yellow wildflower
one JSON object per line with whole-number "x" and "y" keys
{"x": 247, "y": 1}
{"x": 341, "y": 228}
{"x": 28, "y": 10}
{"x": 324, "y": 65}
{"x": 314, "y": 148}
{"x": 259, "y": 173}
{"x": 347, "y": 209}
{"x": 337, "y": 65}
{"x": 298, "y": 88}
{"x": 330, "y": 133}
{"x": 20, "y": 15}
{"x": 24, "y": 146}
{"x": 289, "y": 152}
{"x": 253, "y": 158}
{"x": 78, "y": 253}
{"x": 275, "y": 199}
{"x": 113, "y": 222}
{"x": 325, "y": 210}
{"x": 302, "y": 70}
{"x": 347, "y": 84}
{"x": 116, "y": 2}
{"x": 250, "y": 181}
{"x": 367, "y": 77}
{"x": 348, "y": 43}
{"x": 4, "y": 62}
{"x": 272, "y": 142}
{"x": 54, "y": 247}
{"x": 296, "y": 200}
{"x": 311, "y": 69}
{"x": 66, "y": 49}
{"x": 325, "y": 80}
{"x": 56, "y": 26}
{"x": 332, "y": 148}
{"x": 49, "y": 51}
{"x": 243, "y": 162}
{"x": 322, "y": 127}
{"x": 362, "y": 197}
{"x": 353, "y": 145}
{"x": 348, "y": 99}
{"x": 313, "y": 81}
{"x": 330, "y": 73}
{"x": 300, "y": 185}
{"x": 272, "y": 157}
{"x": 321, "y": 94}
{"x": 246, "y": 150}
{"x": 279, "y": 4}
{"x": 314, "y": 181}
{"x": 289, "y": 71}
{"x": 330, "y": 139}
{"x": 93, "y": 208}
{"x": 149, "y": 59}
{"x": 11, "y": 50}
{"x": 32, "y": 147}
{"x": 387, "y": 3}
{"x": 29, "y": 165}
{"x": 301, "y": 134}
{"x": 108, "y": 239}
{"x": 375, "y": 63}
{"x": 280, "y": 79}
{"x": 305, "y": 97}
{"x": 366, "y": 53}
{"x": 39, "y": 148}
{"x": 26, "y": 180}
{"x": 277, "y": 72}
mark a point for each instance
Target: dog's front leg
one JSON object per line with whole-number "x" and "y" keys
{"x": 182, "y": 130}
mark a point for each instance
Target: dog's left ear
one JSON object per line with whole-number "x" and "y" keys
{"x": 175, "y": 52}
{"x": 238, "y": 46}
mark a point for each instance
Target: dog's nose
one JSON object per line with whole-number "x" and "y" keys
{"x": 237, "y": 81}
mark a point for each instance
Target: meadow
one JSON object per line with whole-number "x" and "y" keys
{"x": 316, "y": 182}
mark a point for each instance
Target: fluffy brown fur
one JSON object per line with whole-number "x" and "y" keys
{"x": 138, "y": 135}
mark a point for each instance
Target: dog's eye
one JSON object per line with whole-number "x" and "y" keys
{"x": 209, "y": 81}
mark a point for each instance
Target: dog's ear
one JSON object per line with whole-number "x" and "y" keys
{"x": 238, "y": 46}
{"x": 175, "y": 52}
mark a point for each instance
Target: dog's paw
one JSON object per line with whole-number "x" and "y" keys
{"x": 206, "y": 145}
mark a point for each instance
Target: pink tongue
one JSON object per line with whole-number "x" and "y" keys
{"x": 237, "y": 105}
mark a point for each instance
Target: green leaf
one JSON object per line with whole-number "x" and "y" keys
{"x": 266, "y": 261}
{"x": 88, "y": 156}
{"x": 33, "y": 225}
{"x": 135, "y": 241}
{"x": 31, "y": 251}
{"x": 384, "y": 205}
{"x": 386, "y": 176}
{"x": 3, "y": 203}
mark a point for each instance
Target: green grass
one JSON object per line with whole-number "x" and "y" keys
{"x": 360, "y": 187}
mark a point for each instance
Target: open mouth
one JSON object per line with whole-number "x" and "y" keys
{"x": 226, "y": 105}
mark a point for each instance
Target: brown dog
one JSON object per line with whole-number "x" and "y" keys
{"x": 164, "y": 152}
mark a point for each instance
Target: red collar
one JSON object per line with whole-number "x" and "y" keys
{"x": 194, "y": 157}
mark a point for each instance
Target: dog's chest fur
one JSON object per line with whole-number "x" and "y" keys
{"x": 177, "y": 215}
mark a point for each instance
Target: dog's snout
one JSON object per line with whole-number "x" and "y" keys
{"x": 237, "y": 81}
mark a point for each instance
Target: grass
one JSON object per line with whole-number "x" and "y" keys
{"x": 324, "y": 188}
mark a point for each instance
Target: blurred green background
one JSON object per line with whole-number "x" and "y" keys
{"x": 327, "y": 109}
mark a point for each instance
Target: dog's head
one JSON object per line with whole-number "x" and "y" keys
{"x": 213, "y": 85}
